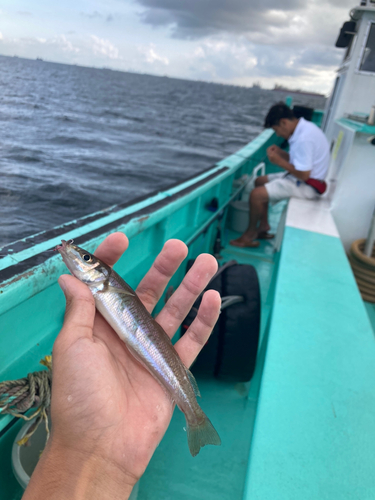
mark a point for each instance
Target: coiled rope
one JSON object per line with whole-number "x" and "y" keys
{"x": 19, "y": 396}
{"x": 363, "y": 269}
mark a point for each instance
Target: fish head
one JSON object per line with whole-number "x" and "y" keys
{"x": 82, "y": 264}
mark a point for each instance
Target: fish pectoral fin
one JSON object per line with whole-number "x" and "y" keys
{"x": 193, "y": 383}
{"x": 116, "y": 289}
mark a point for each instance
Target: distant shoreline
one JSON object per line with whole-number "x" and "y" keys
{"x": 256, "y": 85}
{"x": 280, "y": 88}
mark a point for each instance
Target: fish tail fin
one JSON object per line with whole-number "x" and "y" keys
{"x": 201, "y": 434}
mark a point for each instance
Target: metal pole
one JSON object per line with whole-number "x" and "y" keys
{"x": 370, "y": 238}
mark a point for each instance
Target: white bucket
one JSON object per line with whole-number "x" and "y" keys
{"x": 238, "y": 216}
{"x": 25, "y": 458}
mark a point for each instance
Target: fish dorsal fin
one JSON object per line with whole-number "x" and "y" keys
{"x": 193, "y": 383}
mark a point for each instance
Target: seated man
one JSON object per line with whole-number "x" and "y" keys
{"x": 307, "y": 161}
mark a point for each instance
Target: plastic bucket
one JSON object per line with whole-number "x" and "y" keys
{"x": 25, "y": 458}
{"x": 238, "y": 216}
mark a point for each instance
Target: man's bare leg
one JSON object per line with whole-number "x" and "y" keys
{"x": 261, "y": 181}
{"x": 264, "y": 227}
{"x": 258, "y": 205}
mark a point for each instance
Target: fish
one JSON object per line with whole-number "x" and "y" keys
{"x": 144, "y": 337}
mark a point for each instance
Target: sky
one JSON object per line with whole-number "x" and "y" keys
{"x": 236, "y": 42}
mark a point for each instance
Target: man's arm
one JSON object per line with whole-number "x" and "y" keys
{"x": 303, "y": 175}
{"x": 276, "y": 158}
{"x": 281, "y": 152}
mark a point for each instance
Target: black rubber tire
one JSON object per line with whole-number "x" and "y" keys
{"x": 206, "y": 360}
{"x": 231, "y": 351}
{"x": 238, "y": 341}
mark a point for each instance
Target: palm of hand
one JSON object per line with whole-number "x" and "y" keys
{"x": 104, "y": 402}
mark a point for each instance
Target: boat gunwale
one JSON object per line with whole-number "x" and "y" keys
{"x": 158, "y": 199}
{"x": 31, "y": 272}
{"x": 31, "y": 240}
{"x": 23, "y": 266}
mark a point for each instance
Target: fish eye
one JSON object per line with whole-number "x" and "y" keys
{"x": 87, "y": 257}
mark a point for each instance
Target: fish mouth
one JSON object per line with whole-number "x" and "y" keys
{"x": 63, "y": 246}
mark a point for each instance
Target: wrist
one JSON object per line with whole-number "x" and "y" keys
{"x": 285, "y": 165}
{"x": 64, "y": 474}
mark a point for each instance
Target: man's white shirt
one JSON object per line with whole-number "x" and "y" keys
{"x": 309, "y": 149}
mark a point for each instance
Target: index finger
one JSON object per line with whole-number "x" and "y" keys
{"x": 111, "y": 249}
{"x": 151, "y": 288}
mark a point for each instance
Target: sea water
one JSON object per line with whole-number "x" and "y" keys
{"x": 74, "y": 140}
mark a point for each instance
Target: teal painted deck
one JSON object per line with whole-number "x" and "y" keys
{"x": 218, "y": 472}
{"x": 314, "y": 435}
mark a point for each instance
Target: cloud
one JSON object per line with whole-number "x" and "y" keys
{"x": 62, "y": 48}
{"x": 197, "y": 18}
{"x": 24, "y": 13}
{"x": 262, "y": 21}
{"x": 97, "y": 15}
{"x": 64, "y": 44}
{"x": 104, "y": 47}
{"x": 227, "y": 41}
{"x": 319, "y": 57}
{"x": 151, "y": 56}
{"x": 228, "y": 59}
{"x": 91, "y": 15}
{"x": 33, "y": 45}
{"x": 222, "y": 59}
{"x": 236, "y": 40}
{"x": 347, "y": 4}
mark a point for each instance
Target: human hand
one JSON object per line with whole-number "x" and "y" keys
{"x": 274, "y": 153}
{"x": 108, "y": 413}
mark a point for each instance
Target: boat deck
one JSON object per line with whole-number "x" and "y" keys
{"x": 218, "y": 472}
{"x": 314, "y": 431}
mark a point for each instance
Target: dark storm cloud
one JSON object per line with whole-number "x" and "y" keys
{"x": 199, "y": 18}
{"x": 254, "y": 38}
{"x": 349, "y": 4}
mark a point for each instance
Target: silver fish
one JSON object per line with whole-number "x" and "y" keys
{"x": 144, "y": 337}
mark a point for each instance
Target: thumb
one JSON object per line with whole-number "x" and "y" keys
{"x": 79, "y": 312}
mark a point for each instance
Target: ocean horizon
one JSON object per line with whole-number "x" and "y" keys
{"x": 75, "y": 139}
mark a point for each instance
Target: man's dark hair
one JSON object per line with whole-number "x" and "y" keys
{"x": 276, "y": 113}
